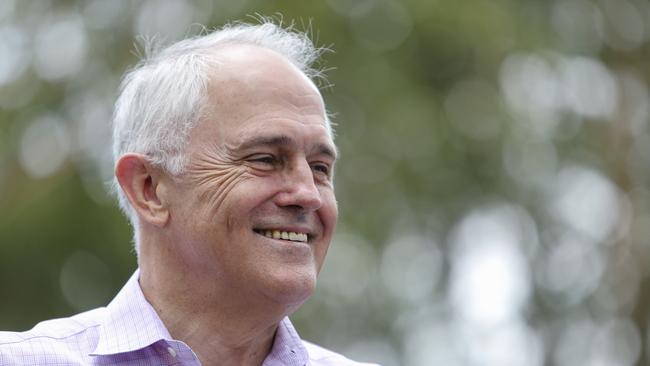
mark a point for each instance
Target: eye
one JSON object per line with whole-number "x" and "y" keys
{"x": 265, "y": 159}
{"x": 321, "y": 168}
{"x": 262, "y": 161}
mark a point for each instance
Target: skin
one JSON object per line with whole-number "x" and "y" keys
{"x": 261, "y": 159}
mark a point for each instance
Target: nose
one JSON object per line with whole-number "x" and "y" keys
{"x": 299, "y": 189}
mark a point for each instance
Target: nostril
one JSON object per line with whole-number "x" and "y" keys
{"x": 299, "y": 196}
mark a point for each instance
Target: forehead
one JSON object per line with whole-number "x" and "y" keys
{"x": 253, "y": 89}
{"x": 259, "y": 66}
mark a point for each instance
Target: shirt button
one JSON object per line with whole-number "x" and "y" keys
{"x": 171, "y": 351}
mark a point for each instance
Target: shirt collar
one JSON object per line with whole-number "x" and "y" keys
{"x": 131, "y": 323}
{"x": 288, "y": 348}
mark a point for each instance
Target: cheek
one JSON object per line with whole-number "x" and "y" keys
{"x": 229, "y": 198}
{"x": 329, "y": 211}
{"x": 214, "y": 185}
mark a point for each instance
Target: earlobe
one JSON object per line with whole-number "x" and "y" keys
{"x": 140, "y": 181}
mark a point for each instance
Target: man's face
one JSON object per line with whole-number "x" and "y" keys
{"x": 261, "y": 165}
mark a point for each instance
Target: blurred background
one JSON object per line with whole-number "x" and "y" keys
{"x": 494, "y": 185}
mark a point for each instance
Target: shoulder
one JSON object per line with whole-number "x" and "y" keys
{"x": 320, "y": 356}
{"x": 56, "y": 329}
{"x": 65, "y": 337}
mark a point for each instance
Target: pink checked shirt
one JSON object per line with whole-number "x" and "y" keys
{"x": 128, "y": 332}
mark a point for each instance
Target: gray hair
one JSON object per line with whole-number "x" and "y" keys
{"x": 162, "y": 97}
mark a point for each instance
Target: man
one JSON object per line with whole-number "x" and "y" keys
{"x": 224, "y": 158}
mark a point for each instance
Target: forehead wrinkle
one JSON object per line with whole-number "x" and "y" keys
{"x": 273, "y": 111}
{"x": 248, "y": 76}
{"x": 231, "y": 102}
{"x": 273, "y": 140}
{"x": 281, "y": 140}
{"x": 324, "y": 149}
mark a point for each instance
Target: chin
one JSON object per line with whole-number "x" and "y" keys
{"x": 292, "y": 289}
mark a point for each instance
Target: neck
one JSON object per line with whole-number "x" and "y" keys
{"x": 224, "y": 324}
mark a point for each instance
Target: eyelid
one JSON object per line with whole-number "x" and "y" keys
{"x": 328, "y": 167}
{"x": 262, "y": 158}
{"x": 259, "y": 155}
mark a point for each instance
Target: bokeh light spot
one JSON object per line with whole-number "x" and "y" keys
{"x": 489, "y": 280}
{"x": 44, "y": 146}
{"x": 85, "y": 281}
{"x": 384, "y": 26}
{"x": 411, "y": 267}
{"x": 60, "y": 47}
{"x": 15, "y": 53}
{"x": 166, "y": 20}
{"x": 586, "y": 201}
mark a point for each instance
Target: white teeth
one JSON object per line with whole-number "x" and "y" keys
{"x": 286, "y": 235}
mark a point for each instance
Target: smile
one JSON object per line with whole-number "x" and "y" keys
{"x": 284, "y": 235}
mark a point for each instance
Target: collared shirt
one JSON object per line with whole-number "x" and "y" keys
{"x": 128, "y": 332}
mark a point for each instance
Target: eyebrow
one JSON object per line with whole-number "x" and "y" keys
{"x": 284, "y": 141}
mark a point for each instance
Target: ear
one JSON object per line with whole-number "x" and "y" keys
{"x": 141, "y": 183}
